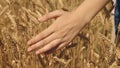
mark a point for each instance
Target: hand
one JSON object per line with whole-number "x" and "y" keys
{"x": 58, "y": 35}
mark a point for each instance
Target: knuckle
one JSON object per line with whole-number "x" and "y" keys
{"x": 41, "y": 35}
{"x": 43, "y": 42}
{"x": 52, "y": 44}
{"x": 36, "y": 45}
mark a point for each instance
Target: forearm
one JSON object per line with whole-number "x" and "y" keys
{"x": 89, "y": 8}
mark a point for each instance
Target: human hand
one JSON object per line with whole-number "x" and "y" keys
{"x": 58, "y": 35}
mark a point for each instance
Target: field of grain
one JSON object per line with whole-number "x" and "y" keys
{"x": 92, "y": 48}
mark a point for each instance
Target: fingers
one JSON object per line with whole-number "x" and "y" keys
{"x": 42, "y": 43}
{"x": 51, "y": 15}
{"x": 40, "y": 36}
{"x": 61, "y": 46}
{"x": 49, "y": 46}
{"x": 56, "y": 48}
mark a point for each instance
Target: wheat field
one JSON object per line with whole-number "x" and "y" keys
{"x": 92, "y": 48}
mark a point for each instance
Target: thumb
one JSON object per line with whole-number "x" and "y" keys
{"x": 51, "y": 15}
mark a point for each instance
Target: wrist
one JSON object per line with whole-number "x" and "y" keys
{"x": 79, "y": 21}
{"x": 80, "y": 16}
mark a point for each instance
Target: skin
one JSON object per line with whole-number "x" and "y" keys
{"x": 65, "y": 28}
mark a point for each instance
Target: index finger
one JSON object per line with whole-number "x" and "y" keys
{"x": 40, "y": 36}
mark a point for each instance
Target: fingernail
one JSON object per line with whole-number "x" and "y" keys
{"x": 28, "y": 43}
{"x": 41, "y": 19}
{"x": 29, "y": 49}
{"x": 37, "y": 53}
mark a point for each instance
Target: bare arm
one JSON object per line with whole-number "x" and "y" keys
{"x": 89, "y": 8}
{"x": 65, "y": 28}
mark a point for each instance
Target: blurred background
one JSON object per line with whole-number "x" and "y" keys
{"x": 94, "y": 47}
